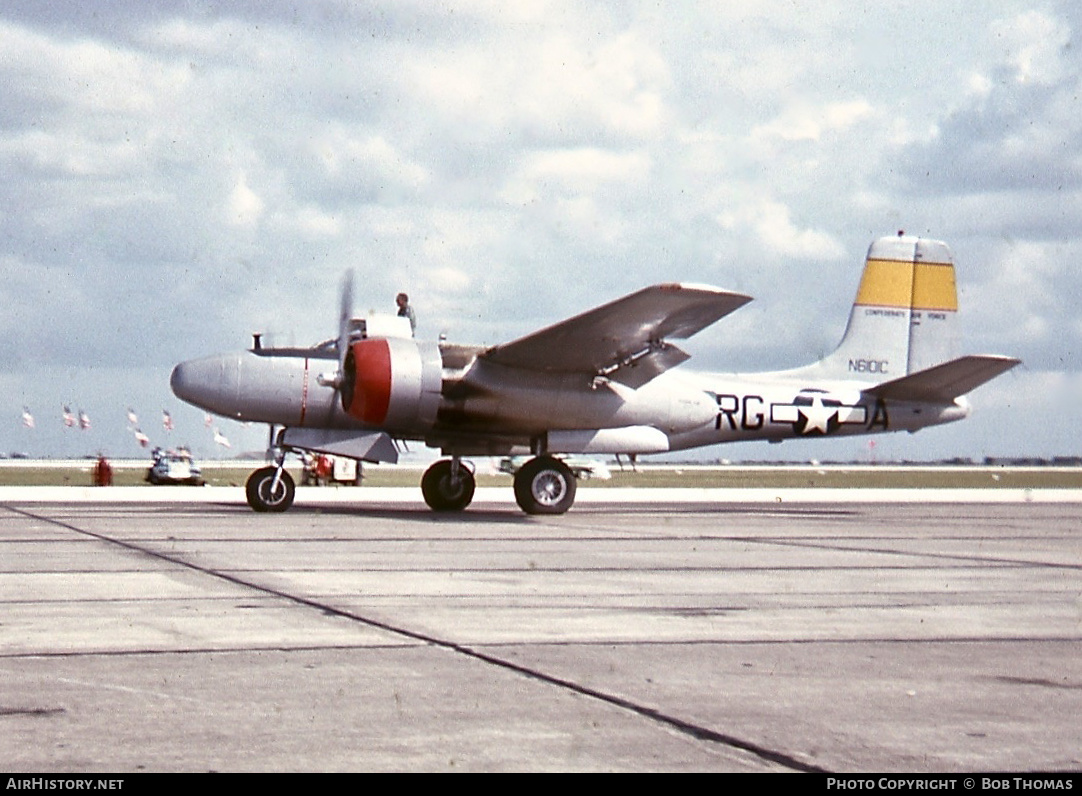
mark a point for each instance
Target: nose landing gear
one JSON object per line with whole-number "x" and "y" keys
{"x": 270, "y": 489}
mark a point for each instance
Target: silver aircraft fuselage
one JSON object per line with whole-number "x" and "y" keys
{"x": 674, "y": 411}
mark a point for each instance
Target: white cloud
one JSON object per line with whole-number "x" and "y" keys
{"x": 577, "y": 172}
{"x": 558, "y": 86}
{"x": 809, "y": 123}
{"x": 86, "y": 76}
{"x": 448, "y": 279}
{"x": 1034, "y": 45}
{"x": 774, "y": 229}
{"x": 312, "y": 221}
{"x": 1016, "y": 126}
{"x": 243, "y": 206}
{"x": 366, "y": 160}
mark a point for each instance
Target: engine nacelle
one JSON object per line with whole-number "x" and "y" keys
{"x": 393, "y": 383}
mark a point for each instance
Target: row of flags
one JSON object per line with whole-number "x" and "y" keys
{"x": 81, "y": 420}
{"x": 70, "y": 421}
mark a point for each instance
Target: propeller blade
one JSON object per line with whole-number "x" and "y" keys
{"x": 345, "y": 315}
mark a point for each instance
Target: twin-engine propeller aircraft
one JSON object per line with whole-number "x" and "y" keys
{"x": 601, "y": 382}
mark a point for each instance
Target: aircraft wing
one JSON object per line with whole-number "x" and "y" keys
{"x": 944, "y": 383}
{"x": 624, "y": 339}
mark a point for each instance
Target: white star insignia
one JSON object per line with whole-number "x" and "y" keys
{"x": 817, "y": 415}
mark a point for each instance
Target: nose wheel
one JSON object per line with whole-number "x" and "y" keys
{"x": 448, "y": 485}
{"x": 270, "y": 489}
{"x": 545, "y": 485}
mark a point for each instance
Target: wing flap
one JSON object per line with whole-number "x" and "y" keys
{"x": 943, "y": 383}
{"x": 624, "y": 338}
{"x": 637, "y": 371}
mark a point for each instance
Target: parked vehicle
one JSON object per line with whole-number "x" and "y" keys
{"x": 174, "y": 467}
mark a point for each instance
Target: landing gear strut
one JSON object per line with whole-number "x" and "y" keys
{"x": 545, "y": 485}
{"x": 270, "y": 488}
{"x": 448, "y": 485}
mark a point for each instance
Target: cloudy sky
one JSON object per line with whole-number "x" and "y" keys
{"x": 178, "y": 175}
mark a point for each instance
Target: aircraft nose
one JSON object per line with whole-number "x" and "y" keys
{"x": 209, "y": 383}
{"x": 181, "y": 380}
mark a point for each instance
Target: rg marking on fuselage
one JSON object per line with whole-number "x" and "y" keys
{"x": 804, "y": 413}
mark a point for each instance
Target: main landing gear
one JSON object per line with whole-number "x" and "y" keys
{"x": 448, "y": 485}
{"x": 545, "y": 485}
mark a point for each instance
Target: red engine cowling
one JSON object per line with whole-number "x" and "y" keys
{"x": 393, "y": 383}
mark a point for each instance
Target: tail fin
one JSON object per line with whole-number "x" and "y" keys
{"x": 904, "y": 316}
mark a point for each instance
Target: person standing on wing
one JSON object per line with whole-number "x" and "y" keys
{"x": 406, "y": 311}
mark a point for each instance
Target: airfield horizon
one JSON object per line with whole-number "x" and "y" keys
{"x": 130, "y": 472}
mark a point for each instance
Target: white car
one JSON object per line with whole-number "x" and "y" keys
{"x": 172, "y": 468}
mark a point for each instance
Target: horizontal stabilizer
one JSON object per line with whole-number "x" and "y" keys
{"x": 943, "y": 383}
{"x": 623, "y": 337}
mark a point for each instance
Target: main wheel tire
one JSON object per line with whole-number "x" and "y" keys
{"x": 545, "y": 486}
{"x": 261, "y": 495}
{"x": 441, "y": 492}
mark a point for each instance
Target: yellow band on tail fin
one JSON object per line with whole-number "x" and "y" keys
{"x": 908, "y": 285}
